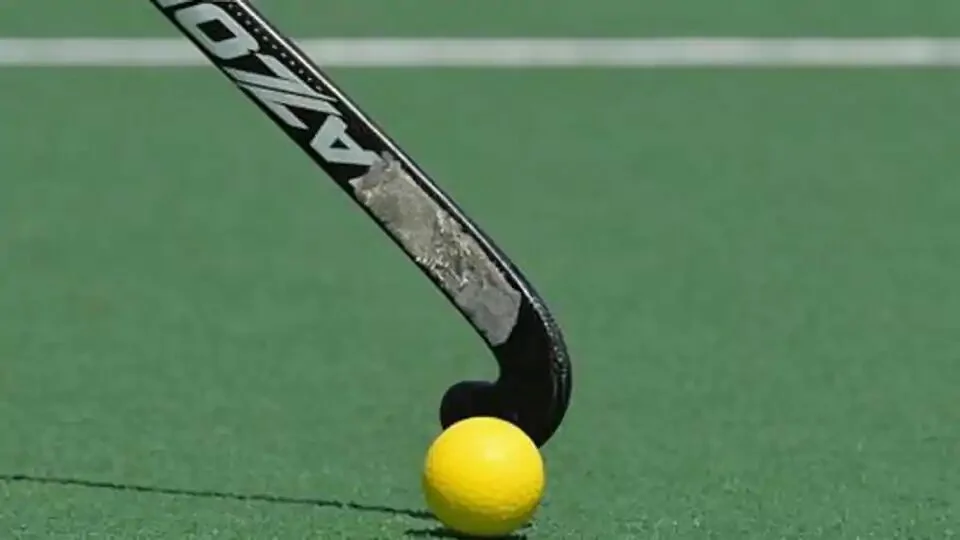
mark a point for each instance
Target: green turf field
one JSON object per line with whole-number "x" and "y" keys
{"x": 757, "y": 273}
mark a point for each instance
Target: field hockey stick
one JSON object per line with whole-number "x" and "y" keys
{"x": 534, "y": 384}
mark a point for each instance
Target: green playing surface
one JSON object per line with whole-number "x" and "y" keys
{"x": 757, "y": 272}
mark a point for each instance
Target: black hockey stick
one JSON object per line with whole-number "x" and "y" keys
{"x": 533, "y": 388}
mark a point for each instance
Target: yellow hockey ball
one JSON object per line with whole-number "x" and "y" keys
{"x": 483, "y": 477}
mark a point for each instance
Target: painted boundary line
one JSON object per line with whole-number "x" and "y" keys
{"x": 514, "y": 52}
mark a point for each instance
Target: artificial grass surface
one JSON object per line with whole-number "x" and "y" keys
{"x": 756, "y": 273}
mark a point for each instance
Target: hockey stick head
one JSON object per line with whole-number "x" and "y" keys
{"x": 533, "y": 388}
{"x": 534, "y": 384}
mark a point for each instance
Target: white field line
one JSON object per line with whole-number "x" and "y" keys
{"x": 515, "y": 52}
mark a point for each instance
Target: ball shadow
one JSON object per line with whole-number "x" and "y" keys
{"x": 443, "y": 532}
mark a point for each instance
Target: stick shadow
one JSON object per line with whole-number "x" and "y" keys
{"x": 222, "y": 495}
